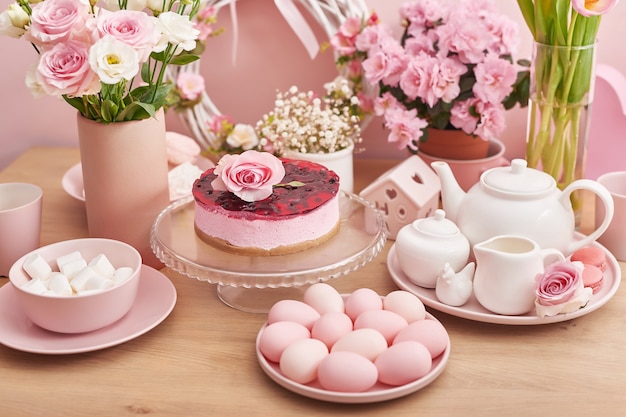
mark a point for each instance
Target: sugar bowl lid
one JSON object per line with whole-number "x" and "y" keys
{"x": 518, "y": 179}
{"x": 437, "y": 225}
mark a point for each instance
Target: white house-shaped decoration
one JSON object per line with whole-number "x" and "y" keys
{"x": 407, "y": 192}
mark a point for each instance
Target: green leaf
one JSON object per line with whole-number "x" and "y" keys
{"x": 145, "y": 73}
{"x": 184, "y": 59}
{"x": 136, "y": 111}
{"x": 108, "y": 111}
{"x": 77, "y": 103}
{"x": 159, "y": 56}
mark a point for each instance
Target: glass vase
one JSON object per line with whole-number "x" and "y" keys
{"x": 561, "y": 96}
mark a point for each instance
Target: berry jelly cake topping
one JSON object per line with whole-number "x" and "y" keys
{"x": 257, "y": 204}
{"x": 304, "y": 187}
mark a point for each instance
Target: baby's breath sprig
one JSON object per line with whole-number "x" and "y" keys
{"x": 304, "y": 122}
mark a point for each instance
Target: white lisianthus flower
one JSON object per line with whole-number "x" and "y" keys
{"x": 33, "y": 83}
{"x": 177, "y": 30}
{"x": 113, "y": 60}
{"x": 13, "y": 21}
{"x": 243, "y": 136}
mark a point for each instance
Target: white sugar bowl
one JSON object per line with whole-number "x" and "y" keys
{"x": 424, "y": 246}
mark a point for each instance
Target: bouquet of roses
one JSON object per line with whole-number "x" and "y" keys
{"x": 91, "y": 52}
{"x": 452, "y": 68}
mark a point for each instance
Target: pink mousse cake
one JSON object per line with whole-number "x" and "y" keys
{"x": 291, "y": 219}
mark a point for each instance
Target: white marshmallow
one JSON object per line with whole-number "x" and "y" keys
{"x": 87, "y": 292}
{"x": 98, "y": 282}
{"x": 60, "y": 285}
{"x": 37, "y": 267}
{"x": 122, "y": 274}
{"x": 70, "y": 257}
{"x": 72, "y": 268}
{"x": 79, "y": 280}
{"x": 36, "y": 286}
{"x": 102, "y": 265}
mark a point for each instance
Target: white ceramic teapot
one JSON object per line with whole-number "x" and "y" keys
{"x": 517, "y": 200}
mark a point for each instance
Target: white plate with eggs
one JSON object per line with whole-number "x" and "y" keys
{"x": 376, "y": 393}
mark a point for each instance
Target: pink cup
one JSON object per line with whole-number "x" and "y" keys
{"x": 614, "y": 238}
{"x": 20, "y": 222}
{"x": 467, "y": 172}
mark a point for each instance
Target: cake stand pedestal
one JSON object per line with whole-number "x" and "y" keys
{"x": 255, "y": 283}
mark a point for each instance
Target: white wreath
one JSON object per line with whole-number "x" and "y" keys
{"x": 330, "y": 14}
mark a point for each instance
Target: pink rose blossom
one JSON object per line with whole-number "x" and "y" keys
{"x": 371, "y": 36}
{"x": 417, "y": 80}
{"x": 461, "y": 117}
{"x": 190, "y": 85}
{"x": 65, "y": 69}
{"x": 375, "y": 66}
{"x": 414, "y": 46}
{"x": 344, "y": 40}
{"x": 464, "y": 36}
{"x": 251, "y": 175}
{"x": 405, "y": 128}
{"x": 504, "y": 34}
{"x": 136, "y": 29}
{"x": 560, "y": 289}
{"x": 423, "y": 14}
{"x": 446, "y": 85}
{"x": 492, "y": 120}
{"x": 385, "y": 102}
{"x": 494, "y": 79}
{"x": 54, "y": 21}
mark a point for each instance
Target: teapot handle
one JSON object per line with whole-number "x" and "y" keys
{"x": 605, "y": 196}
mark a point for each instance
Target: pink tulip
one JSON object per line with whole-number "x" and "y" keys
{"x": 593, "y": 7}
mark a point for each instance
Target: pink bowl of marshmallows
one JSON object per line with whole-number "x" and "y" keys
{"x": 77, "y": 286}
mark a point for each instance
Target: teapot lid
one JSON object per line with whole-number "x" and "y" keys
{"x": 437, "y": 224}
{"x": 518, "y": 178}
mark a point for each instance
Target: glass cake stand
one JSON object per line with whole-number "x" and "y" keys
{"x": 255, "y": 283}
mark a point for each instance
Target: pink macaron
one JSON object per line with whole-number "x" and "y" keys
{"x": 591, "y": 255}
{"x": 593, "y": 277}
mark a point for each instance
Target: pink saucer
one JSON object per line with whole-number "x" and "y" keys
{"x": 155, "y": 300}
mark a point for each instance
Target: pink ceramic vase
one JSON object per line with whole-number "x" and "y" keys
{"x": 125, "y": 175}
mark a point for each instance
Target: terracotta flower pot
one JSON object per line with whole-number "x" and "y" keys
{"x": 125, "y": 175}
{"x": 453, "y": 144}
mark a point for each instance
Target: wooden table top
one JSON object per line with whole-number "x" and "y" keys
{"x": 201, "y": 360}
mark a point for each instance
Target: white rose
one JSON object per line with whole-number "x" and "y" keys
{"x": 177, "y": 30}
{"x": 243, "y": 136}
{"x": 13, "y": 21}
{"x": 113, "y": 60}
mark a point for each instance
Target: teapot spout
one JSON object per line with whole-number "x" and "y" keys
{"x": 451, "y": 192}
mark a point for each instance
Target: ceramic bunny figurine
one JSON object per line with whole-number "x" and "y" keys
{"x": 455, "y": 288}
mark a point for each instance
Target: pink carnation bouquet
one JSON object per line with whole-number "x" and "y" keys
{"x": 452, "y": 68}
{"x": 108, "y": 58}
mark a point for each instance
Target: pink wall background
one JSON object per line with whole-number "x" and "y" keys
{"x": 269, "y": 57}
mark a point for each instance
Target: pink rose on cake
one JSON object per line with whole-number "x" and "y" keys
{"x": 560, "y": 289}
{"x": 250, "y": 175}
